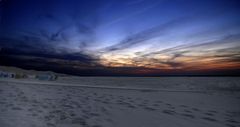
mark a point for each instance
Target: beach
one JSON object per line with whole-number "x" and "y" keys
{"x": 121, "y": 102}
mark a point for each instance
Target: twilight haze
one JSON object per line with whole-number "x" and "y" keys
{"x": 122, "y": 37}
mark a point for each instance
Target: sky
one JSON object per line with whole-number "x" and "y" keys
{"x": 122, "y": 37}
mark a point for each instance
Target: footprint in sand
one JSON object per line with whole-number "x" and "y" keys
{"x": 230, "y": 125}
{"x": 184, "y": 106}
{"x": 80, "y": 121}
{"x": 169, "y": 112}
{"x": 51, "y": 125}
{"x": 232, "y": 121}
{"x": 196, "y": 109}
{"x": 149, "y": 108}
{"x": 17, "y": 108}
{"x": 187, "y": 111}
{"x": 209, "y": 114}
{"x": 188, "y": 115}
{"x": 209, "y": 119}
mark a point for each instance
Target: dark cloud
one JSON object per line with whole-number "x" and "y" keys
{"x": 74, "y": 63}
{"x": 50, "y": 22}
{"x": 87, "y": 68}
{"x": 84, "y": 58}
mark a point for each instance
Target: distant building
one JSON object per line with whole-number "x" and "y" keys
{"x": 47, "y": 77}
{"x": 19, "y": 76}
{"x": 31, "y": 76}
{"x": 11, "y": 75}
{"x": 4, "y": 74}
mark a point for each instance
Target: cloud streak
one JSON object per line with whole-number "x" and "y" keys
{"x": 143, "y": 36}
{"x": 215, "y": 54}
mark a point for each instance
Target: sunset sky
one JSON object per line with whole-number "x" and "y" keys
{"x": 122, "y": 37}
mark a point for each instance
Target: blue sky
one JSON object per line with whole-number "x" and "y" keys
{"x": 123, "y": 33}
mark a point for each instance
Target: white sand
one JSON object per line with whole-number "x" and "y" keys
{"x": 121, "y": 102}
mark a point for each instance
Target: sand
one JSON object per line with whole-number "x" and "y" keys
{"x": 149, "y": 102}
